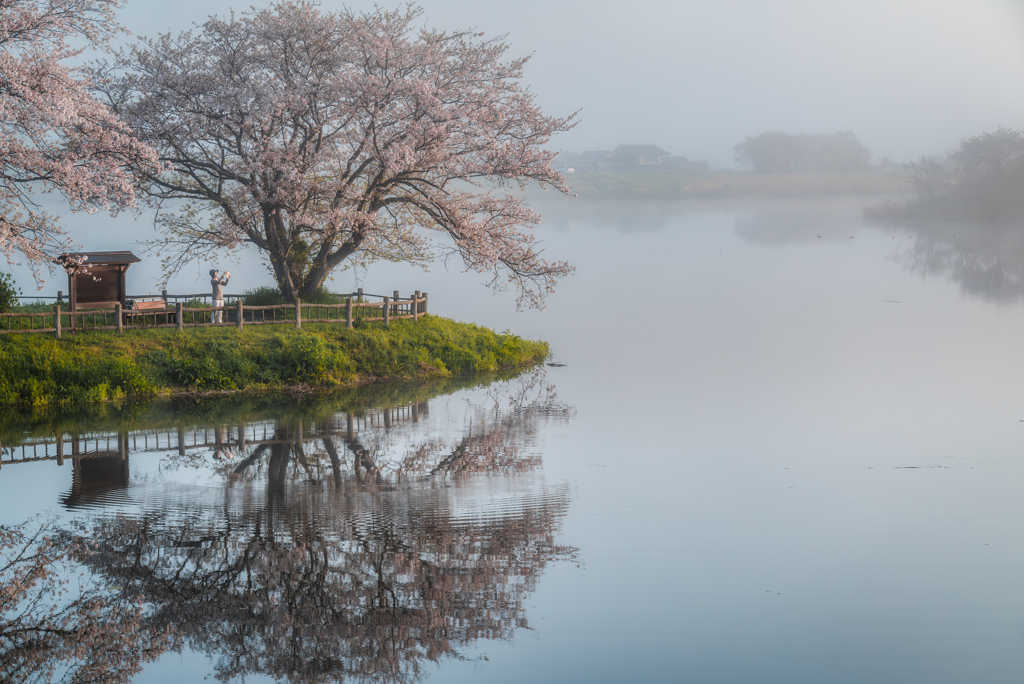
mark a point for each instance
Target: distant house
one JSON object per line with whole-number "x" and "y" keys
{"x": 629, "y": 157}
{"x": 595, "y": 161}
{"x": 626, "y": 159}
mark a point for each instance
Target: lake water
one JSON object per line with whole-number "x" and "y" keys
{"x": 785, "y": 446}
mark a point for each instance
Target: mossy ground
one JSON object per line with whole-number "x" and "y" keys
{"x": 37, "y": 370}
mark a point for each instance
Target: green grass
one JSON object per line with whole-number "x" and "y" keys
{"x": 37, "y": 370}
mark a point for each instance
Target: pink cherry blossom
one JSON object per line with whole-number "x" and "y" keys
{"x": 332, "y": 139}
{"x": 54, "y": 135}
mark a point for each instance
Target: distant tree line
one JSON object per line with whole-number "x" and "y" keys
{"x": 982, "y": 180}
{"x": 778, "y": 152}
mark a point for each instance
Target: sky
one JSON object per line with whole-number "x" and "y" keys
{"x": 908, "y": 77}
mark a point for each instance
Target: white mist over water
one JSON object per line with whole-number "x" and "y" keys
{"x": 794, "y": 461}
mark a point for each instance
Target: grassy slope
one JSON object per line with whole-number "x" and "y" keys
{"x": 38, "y": 370}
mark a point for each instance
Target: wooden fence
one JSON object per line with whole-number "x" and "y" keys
{"x": 237, "y": 315}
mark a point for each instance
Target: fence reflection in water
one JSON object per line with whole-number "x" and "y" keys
{"x": 329, "y": 545}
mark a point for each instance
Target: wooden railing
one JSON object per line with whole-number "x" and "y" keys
{"x": 352, "y": 312}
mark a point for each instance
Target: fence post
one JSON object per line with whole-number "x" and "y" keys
{"x": 298, "y": 313}
{"x": 395, "y": 303}
{"x": 163, "y": 293}
{"x": 120, "y": 321}
{"x": 56, "y": 321}
{"x": 180, "y": 315}
{"x": 387, "y": 311}
{"x": 348, "y": 313}
{"x": 416, "y": 306}
{"x": 238, "y": 305}
{"x": 60, "y": 296}
{"x": 359, "y": 293}
{"x": 424, "y": 302}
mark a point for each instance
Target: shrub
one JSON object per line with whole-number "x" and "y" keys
{"x": 263, "y": 296}
{"x": 270, "y": 296}
{"x": 8, "y": 292}
{"x": 309, "y": 358}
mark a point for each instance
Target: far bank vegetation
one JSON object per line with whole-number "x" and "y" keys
{"x": 773, "y": 164}
{"x": 982, "y": 180}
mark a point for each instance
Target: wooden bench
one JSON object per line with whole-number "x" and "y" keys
{"x": 147, "y": 307}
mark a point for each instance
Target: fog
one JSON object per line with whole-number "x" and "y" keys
{"x": 909, "y": 77}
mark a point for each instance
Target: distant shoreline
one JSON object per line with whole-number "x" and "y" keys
{"x": 728, "y": 184}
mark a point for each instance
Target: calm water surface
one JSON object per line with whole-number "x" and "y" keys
{"x": 785, "y": 447}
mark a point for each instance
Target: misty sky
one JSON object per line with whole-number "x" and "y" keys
{"x": 909, "y": 77}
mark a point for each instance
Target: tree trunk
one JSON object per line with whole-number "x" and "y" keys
{"x": 327, "y": 262}
{"x": 278, "y": 247}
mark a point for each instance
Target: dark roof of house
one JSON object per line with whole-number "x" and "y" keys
{"x": 106, "y": 257}
{"x": 641, "y": 150}
{"x": 593, "y": 155}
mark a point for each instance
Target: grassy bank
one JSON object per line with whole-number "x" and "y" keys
{"x": 30, "y": 423}
{"x": 679, "y": 185}
{"x": 36, "y": 370}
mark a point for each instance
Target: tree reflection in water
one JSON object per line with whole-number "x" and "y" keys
{"x": 985, "y": 259}
{"x": 348, "y": 554}
{"x": 56, "y": 627}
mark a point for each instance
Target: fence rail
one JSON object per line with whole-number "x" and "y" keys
{"x": 352, "y": 312}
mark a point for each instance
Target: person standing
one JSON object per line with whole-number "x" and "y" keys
{"x": 218, "y": 282}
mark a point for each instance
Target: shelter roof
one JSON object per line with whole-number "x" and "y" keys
{"x": 95, "y": 258}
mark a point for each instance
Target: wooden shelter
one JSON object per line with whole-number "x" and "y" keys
{"x": 100, "y": 283}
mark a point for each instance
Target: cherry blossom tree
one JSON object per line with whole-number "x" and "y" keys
{"x": 54, "y": 135}
{"x": 333, "y": 139}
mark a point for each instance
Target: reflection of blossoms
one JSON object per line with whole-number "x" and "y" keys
{"x": 335, "y": 555}
{"x": 312, "y": 594}
{"x": 343, "y": 546}
{"x": 53, "y": 630}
